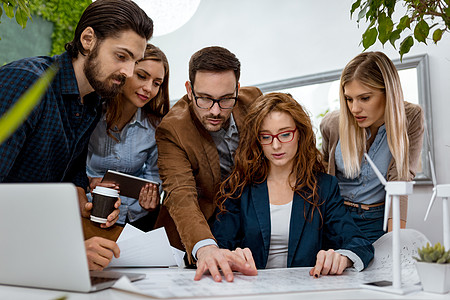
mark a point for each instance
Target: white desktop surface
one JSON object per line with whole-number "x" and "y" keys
{"x": 13, "y": 293}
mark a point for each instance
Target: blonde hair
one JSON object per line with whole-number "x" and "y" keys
{"x": 374, "y": 70}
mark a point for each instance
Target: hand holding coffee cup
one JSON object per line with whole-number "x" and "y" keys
{"x": 103, "y": 204}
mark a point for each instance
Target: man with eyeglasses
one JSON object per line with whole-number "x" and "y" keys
{"x": 196, "y": 143}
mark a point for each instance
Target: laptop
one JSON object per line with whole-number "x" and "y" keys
{"x": 41, "y": 239}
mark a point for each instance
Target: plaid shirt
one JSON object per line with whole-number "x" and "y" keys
{"x": 51, "y": 145}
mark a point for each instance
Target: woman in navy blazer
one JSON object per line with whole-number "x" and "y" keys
{"x": 278, "y": 208}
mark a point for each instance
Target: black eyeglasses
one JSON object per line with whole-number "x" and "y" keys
{"x": 208, "y": 102}
{"x": 283, "y": 137}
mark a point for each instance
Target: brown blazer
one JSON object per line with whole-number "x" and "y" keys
{"x": 189, "y": 168}
{"x": 329, "y": 128}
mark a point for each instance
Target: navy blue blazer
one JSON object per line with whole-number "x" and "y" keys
{"x": 247, "y": 224}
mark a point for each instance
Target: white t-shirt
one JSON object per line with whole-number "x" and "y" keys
{"x": 280, "y": 220}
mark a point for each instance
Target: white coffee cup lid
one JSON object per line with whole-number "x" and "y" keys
{"x": 106, "y": 191}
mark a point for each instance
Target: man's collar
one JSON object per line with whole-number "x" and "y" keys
{"x": 66, "y": 72}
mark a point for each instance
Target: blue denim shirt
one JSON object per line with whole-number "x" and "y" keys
{"x": 135, "y": 154}
{"x": 366, "y": 188}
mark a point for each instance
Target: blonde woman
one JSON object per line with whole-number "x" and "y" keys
{"x": 373, "y": 118}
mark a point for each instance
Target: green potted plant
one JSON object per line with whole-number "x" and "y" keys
{"x": 433, "y": 268}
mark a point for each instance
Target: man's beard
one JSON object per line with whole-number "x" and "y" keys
{"x": 210, "y": 127}
{"x": 92, "y": 72}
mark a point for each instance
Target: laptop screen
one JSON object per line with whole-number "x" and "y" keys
{"x": 40, "y": 227}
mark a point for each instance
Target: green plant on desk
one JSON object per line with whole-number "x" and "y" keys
{"x": 433, "y": 254}
{"x": 433, "y": 268}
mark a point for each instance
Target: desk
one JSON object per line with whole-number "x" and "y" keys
{"x": 13, "y": 293}
{"x": 91, "y": 229}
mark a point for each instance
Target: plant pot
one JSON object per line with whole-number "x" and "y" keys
{"x": 435, "y": 277}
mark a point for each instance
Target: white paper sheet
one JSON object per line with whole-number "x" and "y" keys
{"x": 410, "y": 241}
{"x": 151, "y": 249}
{"x": 170, "y": 284}
{"x": 179, "y": 283}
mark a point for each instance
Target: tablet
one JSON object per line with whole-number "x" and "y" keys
{"x": 130, "y": 186}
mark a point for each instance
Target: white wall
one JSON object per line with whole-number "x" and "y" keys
{"x": 281, "y": 39}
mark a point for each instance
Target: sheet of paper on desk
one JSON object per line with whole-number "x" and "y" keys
{"x": 146, "y": 249}
{"x": 410, "y": 241}
{"x": 179, "y": 283}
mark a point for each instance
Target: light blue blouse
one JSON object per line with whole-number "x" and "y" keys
{"x": 366, "y": 188}
{"x": 135, "y": 154}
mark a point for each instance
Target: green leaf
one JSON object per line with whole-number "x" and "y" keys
{"x": 362, "y": 12}
{"x": 390, "y": 5}
{"x": 428, "y": 258}
{"x": 23, "y": 5}
{"x": 15, "y": 116}
{"x": 437, "y": 35}
{"x": 395, "y": 35}
{"x": 421, "y": 31}
{"x": 406, "y": 45}
{"x": 354, "y": 7}
{"x": 446, "y": 16}
{"x": 21, "y": 17}
{"x": 405, "y": 22}
{"x": 369, "y": 37}
{"x": 441, "y": 260}
{"x": 385, "y": 26}
{"x": 9, "y": 10}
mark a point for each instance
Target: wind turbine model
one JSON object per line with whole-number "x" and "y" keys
{"x": 394, "y": 189}
{"x": 442, "y": 191}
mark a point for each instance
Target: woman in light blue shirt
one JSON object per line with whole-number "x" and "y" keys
{"x": 124, "y": 139}
{"x": 373, "y": 119}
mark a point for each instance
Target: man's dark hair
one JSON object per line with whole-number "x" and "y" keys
{"x": 109, "y": 18}
{"x": 213, "y": 59}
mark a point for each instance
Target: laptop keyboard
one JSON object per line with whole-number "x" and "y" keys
{"x": 97, "y": 280}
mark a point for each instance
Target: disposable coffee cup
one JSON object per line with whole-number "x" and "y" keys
{"x": 103, "y": 200}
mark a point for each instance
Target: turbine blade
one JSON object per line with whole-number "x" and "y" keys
{"x": 433, "y": 173}
{"x": 387, "y": 208}
{"x": 433, "y": 197}
{"x": 375, "y": 169}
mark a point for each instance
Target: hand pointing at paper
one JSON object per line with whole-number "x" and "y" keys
{"x": 211, "y": 258}
{"x": 330, "y": 263}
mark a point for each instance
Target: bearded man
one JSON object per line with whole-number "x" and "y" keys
{"x": 51, "y": 145}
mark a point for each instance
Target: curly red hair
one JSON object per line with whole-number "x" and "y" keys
{"x": 251, "y": 166}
